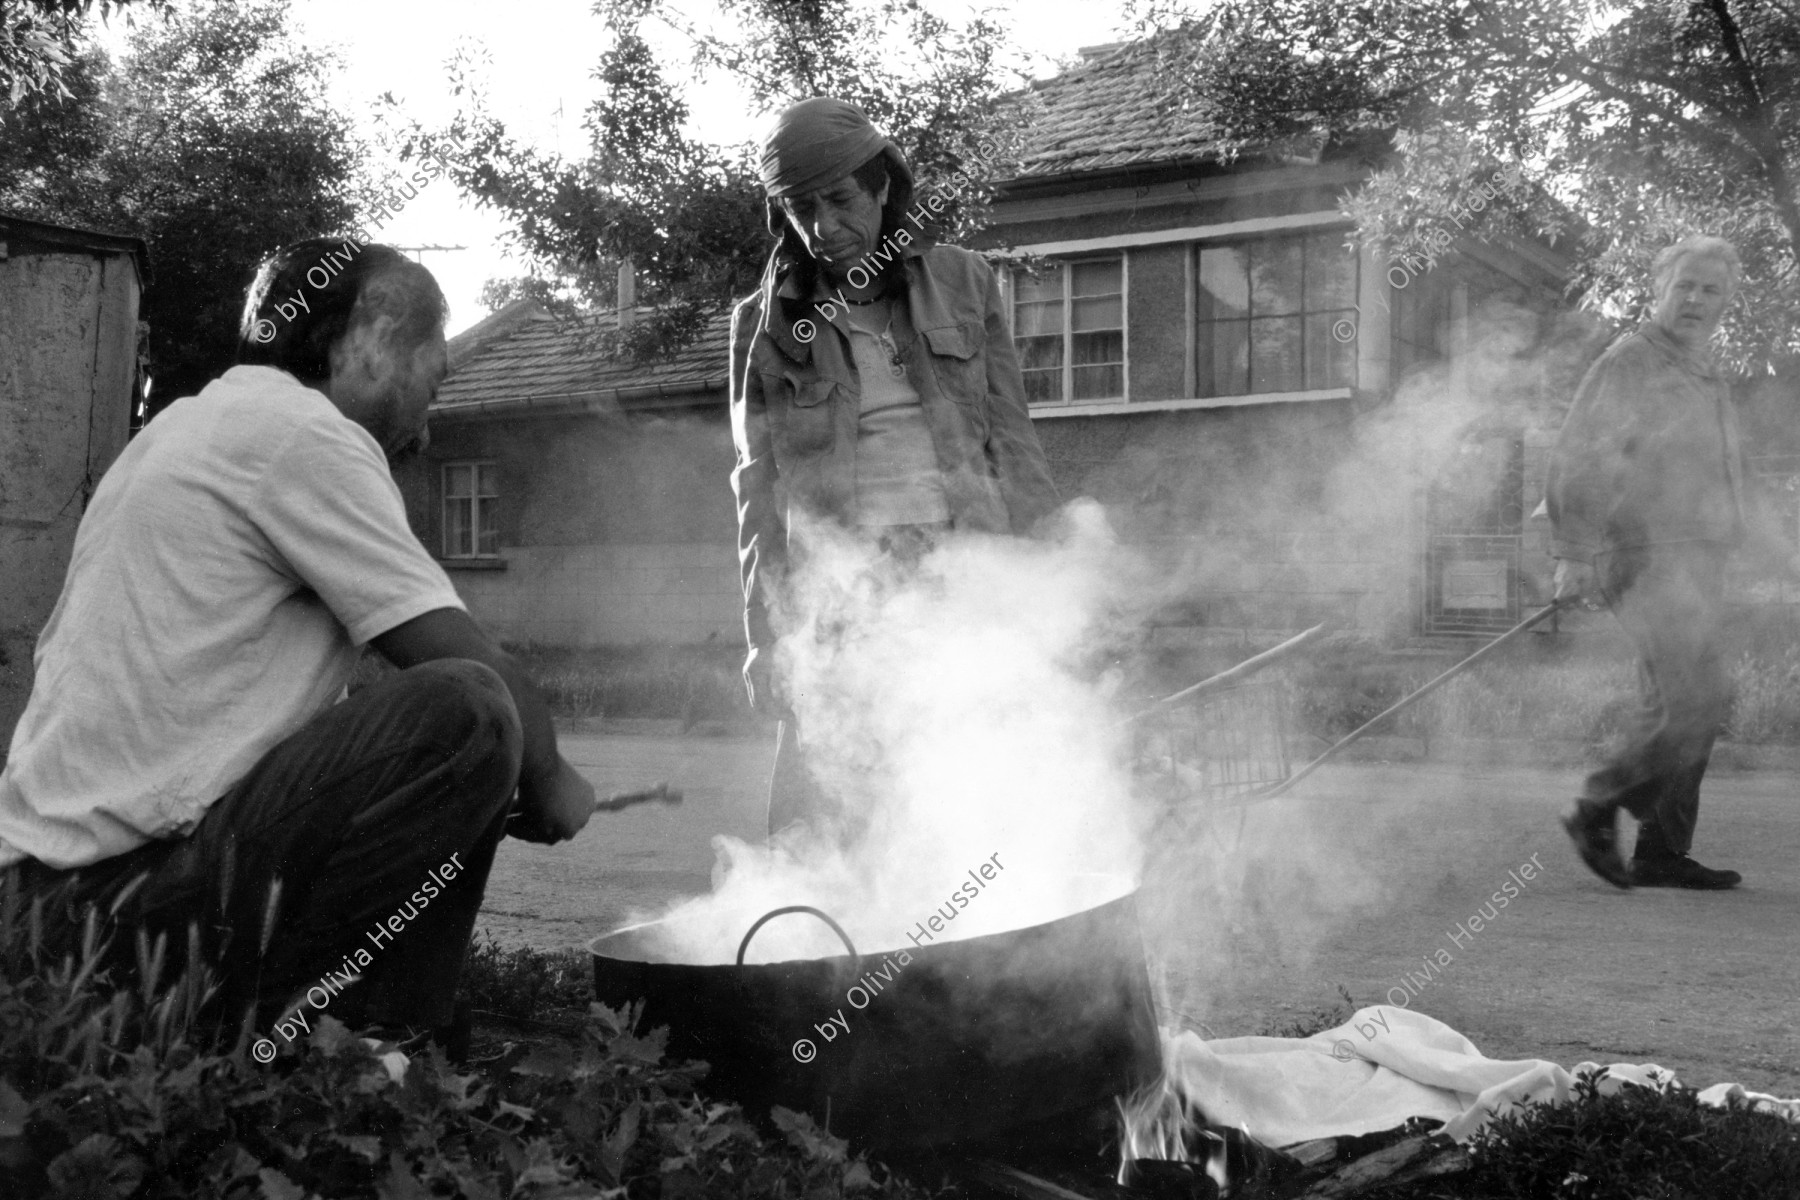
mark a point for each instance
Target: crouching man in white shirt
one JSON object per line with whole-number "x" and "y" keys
{"x": 185, "y": 759}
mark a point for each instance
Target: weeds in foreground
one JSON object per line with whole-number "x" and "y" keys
{"x": 519, "y": 983}
{"x": 113, "y": 1092}
{"x": 1637, "y": 1144}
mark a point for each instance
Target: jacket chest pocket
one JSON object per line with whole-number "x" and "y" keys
{"x": 959, "y": 361}
{"x": 799, "y": 413}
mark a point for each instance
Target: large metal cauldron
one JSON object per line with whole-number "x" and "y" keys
{"x": 967, "y": 1040}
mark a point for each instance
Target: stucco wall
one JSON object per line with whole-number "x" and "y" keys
{"x": 1240, "y": 509}
{"x": 613, "y": 528}
{"x": 68, "y": 336}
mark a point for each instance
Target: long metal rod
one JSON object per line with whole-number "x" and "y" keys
{"x": 1411, "y": 698}
{"x": 1233, "y": 675}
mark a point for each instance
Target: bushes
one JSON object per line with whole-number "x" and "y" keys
{"x": 1635, "y": 1143}
{"x": 690, "y": 683}
{"x": 1767, "y": 704}
{"x": 523, "y": 984}
{"x": 107, "y": 1094}
{"x": 1527, "y": 695}
{"x": 1586, "y": 698}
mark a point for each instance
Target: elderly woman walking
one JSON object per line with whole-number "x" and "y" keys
{"x": 873, "y": 386}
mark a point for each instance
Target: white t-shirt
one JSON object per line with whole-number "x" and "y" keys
{"x": 898, "y": 481}
{"x": 232, "y": 562}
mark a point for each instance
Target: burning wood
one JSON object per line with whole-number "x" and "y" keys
{"x": 1166, "y": 1148}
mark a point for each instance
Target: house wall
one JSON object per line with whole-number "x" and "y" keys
{"x": 613, "y": 528}
{"x": 68, "y": 339}
{"x": 1277, "y": 514}
{"x": 1238, "y": 508}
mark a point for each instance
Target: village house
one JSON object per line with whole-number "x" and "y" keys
{"x": 69, "y": 381}
{"x": 1298, "y": 431}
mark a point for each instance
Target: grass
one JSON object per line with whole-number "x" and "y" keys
{"x": 1582, "y": 697}
{"x": 689, "y": 683}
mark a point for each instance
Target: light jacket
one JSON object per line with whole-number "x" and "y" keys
{"x": 1650, "y": 455}
{"x": 796, "y": 399}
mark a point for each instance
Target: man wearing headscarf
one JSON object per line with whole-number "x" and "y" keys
{"x": 873, "y": 384}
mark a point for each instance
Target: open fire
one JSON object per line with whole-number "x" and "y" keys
{"x": 1162, "y": 1143}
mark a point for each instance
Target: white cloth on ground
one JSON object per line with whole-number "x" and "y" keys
{"x": 1376, "y": 1071}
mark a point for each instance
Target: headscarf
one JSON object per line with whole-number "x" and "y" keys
{"x": 817, "y": 142}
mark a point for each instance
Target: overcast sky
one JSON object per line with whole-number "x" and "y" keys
{"x": 542, "y": 53}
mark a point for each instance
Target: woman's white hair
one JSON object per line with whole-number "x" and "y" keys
{"x": 1702, "y": 244}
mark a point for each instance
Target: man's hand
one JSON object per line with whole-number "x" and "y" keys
{"x": 1575, "y": 580}
{"x": 759, "y": 682}
{"x": 555, "y": 811}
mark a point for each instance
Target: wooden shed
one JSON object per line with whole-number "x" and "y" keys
{"x": 68, "y": 380}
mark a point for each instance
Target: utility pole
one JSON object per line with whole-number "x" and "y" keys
{"x": 416, "y": 251}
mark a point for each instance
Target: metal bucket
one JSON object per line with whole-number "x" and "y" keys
{"x": 968, "y": 1039}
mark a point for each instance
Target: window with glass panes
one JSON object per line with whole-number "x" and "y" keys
{"x": 1069, "y": 327}
{"x": 471, "y": 492}
{"x": 1276, "y": 315}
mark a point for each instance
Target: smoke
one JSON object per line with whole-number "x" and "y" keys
{"x": 970, "y": 708}
{"x": 1302, "y": 517}
{"x": 953, "y": 709}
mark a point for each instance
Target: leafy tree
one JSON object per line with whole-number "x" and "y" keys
{"x": 37, "y": 43}
{"x": 688, "y": 215}
{"x": 213, "y": 139}
{"x": 1639, "y": 123}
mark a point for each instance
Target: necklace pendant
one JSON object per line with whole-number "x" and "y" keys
{"x": 896, "y": 366}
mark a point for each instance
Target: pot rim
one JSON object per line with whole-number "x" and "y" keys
{"x": 1126, "y": 888}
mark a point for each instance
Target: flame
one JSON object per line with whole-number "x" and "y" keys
{"x": 1159, "y": 1124}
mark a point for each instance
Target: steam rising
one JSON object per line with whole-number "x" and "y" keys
{"x": 959, "y": 710}
{"x": 951, "y": 709}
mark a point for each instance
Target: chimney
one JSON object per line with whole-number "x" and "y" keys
{"x": 627, "y": 293}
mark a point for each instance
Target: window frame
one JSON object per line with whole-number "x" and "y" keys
{"x": 1196, "y": 302}
{"x": 1064, "y": 265}
{"x": 474, "y": 501}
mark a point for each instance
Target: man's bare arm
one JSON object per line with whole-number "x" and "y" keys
{"x": 554, "y": 801}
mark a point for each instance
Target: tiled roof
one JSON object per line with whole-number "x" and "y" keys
{"x": 520, "y": 358}
{"x": 1104, "y": 114}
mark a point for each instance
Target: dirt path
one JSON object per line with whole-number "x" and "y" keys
{"x": 1359, "y": 879}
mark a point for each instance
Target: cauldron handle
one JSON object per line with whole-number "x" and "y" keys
{"x": 794, "y": 908}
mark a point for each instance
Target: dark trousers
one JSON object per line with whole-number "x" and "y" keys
{"x": 794, "y": 792}
{"x": 1669, "y": 600}
{"x": 330, "y": 834}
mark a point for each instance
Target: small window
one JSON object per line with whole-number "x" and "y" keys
{"x": 471, "y": 529}
{"x": 1276, "y": 315}
{"x": 1069, "y": 327}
